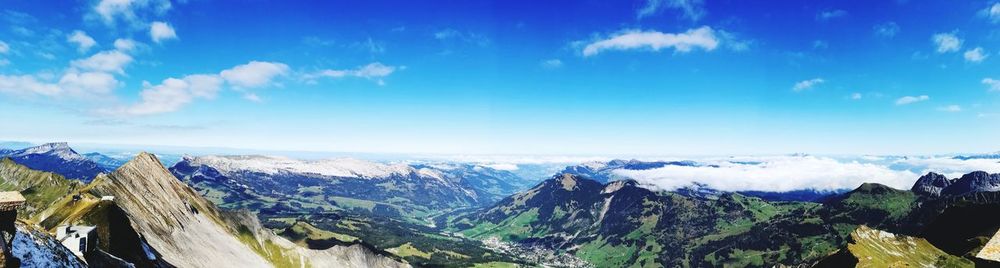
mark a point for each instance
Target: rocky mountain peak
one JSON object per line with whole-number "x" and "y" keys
{"x": 978, "y": 181}
{"x": 931, "y": 184}
{"x": 60, "y": 149}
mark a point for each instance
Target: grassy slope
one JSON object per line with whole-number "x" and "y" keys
{"x": 40, "y": 189}
{"x": 875, "y": 248}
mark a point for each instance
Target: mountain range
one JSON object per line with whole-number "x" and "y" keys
{"x": 263, "y": 211}
{"x": 55, "y": 157}
{"x": 623, "y": 224}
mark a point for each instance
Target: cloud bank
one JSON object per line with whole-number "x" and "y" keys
{"x": 787, "y": 173}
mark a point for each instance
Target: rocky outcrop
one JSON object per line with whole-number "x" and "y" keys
{"x": 176, "y": 225}
{"x": 978, "y": 181}
{"x": 180, "y": 225}
{"x": 931, "y": 184}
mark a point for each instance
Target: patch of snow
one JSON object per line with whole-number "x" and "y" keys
{"x": 36, "y": 249}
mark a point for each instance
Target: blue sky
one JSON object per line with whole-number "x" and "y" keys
{"x": 643, "y": 77}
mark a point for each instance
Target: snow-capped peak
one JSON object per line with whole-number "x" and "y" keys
{"x": 339, "y": 167}
{"x": 59, "y": 149}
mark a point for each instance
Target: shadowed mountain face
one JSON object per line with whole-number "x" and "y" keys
{"x": 57, "y": 158}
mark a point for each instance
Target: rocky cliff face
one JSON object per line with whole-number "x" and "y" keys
{"x": 184, "y": 228}
{"x": 167, "y": 224}
{"x": 978, "y": 181}
{"x": 931, "y": 184}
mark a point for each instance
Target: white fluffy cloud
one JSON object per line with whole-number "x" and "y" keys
{"x": 160, "y": 31}
{"x": 702, "y": 37}
{"x": 27, "y": 85}
{"x": 254, "y": 74}
{"x": 993, "y": 84}
{"x": 125, "y": 45}
{"x": 807, "y": 84}
{"x": 129, "y": 11}
{"x": 105, "y": 61}
{"x": 691, "y": 9}
{"x": 85, "y": 83}
{"x": 975, "y": 55}
{"x": 4, "y": 48}
{"x": 911, "y": 99}
{"x": 946, "y": 42}
{"x": 373, "y": 71}
{"x": 72, "y": 84}
{"x": 83, "y": 41}
{"x": 856, "y": 96}
{"x": 173, "y": 93}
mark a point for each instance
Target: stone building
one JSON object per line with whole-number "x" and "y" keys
{"x": 77, "y": 238}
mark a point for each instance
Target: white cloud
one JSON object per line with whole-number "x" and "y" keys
{"x": 125, "y": 45}
{"x": 856, "y": 96}
{"x": 27, "y": 85}
{"x": 993, "y": 84}
{"x": 911, "y": 99}
{"x": 373, "y": 71}
{"x": 947, "y": 42}
{"x": 160, "y": 31}
{"x": 106, "y": 61}
{"x": 702, "y": 37}
{"x": 204, "y": 85}
{"x": 692, "y": 9}
{"x": 83, "y": 41}
{"x": 830, "y": 14}
{"x": 71, "y": 84}
{"x": 254, "y": 74}
{"x": 785, "y": 173}
{"x": 552, "y": 63}
{"x": 950, "y": 108}
{"x": 992, "y": 12}
{"x": 807, "y": 84}
{"x": 172, "y": 94}
{"x": 887, "y": 30}
{"x": 129, "y": 11}
{"x": 87, "y": 83}
{"x": 4, "y": 48}
{"x": 975, "y": 55}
